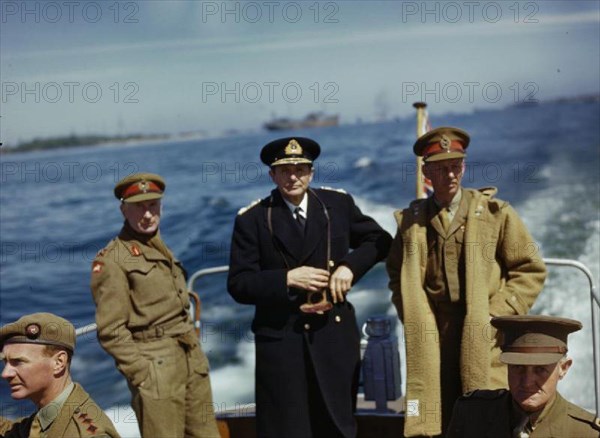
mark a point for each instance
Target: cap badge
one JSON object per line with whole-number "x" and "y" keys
{"x": 293, "y": 148}
{"x": 32, "y": 331}
{"x": 143, "y": 186}
{"x": 445, "y": 142}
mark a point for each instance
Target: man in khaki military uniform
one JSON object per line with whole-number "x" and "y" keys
{"x": 37, "y": 351}
{"x": 142, "y": 306}
{"x": 458, "y": 258}
{"x": 535, "y": 349}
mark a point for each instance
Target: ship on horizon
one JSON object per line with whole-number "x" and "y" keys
{"x": 312, "y": 120}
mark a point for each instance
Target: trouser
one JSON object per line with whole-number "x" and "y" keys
{"x": 175, "y": 400}
{"x": 450, "y": 320}
{"x": 292, "y": 399}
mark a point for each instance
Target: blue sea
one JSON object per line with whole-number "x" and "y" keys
{"x": 57, "y": 210}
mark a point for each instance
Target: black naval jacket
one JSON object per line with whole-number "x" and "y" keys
{"x": 328, "y": 343}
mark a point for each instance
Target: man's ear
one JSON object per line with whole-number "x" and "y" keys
{"x": 563, "y": 367}
{"x": 60, "y": 362}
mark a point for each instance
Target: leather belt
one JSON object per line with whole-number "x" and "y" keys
{"x": 158, "y": 331}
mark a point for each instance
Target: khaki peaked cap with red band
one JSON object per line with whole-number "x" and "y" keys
{"x": 443, "y": 143}
{"x": 39, "y": 328}
{"x": 140, "y": 187}
{"x": 534, "y": 339}
{"x": 290, "y": 150}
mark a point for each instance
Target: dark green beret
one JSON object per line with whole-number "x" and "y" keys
{"x": 39, "y": 328}
{"x": 290, "y": 150}
{"x": 140, "y": 187}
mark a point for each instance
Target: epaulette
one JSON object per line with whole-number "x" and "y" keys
{"x": 98, "y": 264}
{"x": 484, "y": 394}
{"x": 248, "y": 207}
{"x": 582, "y": 415}
{"x": 334, "y": 190}
{"x": 416, "y": 205}
{"x": 488, "y": 192}
{"x": 85, "y": 422}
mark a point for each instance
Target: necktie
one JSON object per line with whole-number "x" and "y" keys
{"x": 36, "y": 428}
{"x": 299, "y": 218}
{"x": 522, "y": 430}
{"x": 444, "y": 218}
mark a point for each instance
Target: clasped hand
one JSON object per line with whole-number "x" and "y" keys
{"x": 315, "y": 279}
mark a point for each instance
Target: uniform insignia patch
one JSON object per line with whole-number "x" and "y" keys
{"x": 248, "y": 207}
{"x": 135, "y": 250}
{"x": 97, "y": 267}
{"x": 334, "y": 190}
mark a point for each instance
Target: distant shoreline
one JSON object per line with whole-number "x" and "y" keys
{"x": 74, "y": 140}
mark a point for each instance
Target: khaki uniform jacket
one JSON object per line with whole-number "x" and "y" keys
{"x": 137, "y": 288}
{"x": 482, "y": 414}
{"x": 79, "y": 416}
{"x": 504, "y": 274}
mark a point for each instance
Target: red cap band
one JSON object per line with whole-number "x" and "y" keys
{"x": 436, "y": 148}
{"x": 141, "y": 187}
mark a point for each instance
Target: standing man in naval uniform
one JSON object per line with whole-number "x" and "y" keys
{"x": 37, "y": 351}
{"x": 142, "y": 306}
{"x": 458, "y": 258}
{"x": 535, "y": 349}
{"x": 291, "y": 259}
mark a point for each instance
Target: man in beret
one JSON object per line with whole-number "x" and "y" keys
{"x": 37, "y": 351}
{"x": 458, "y": 258}
{"x": 291, "y": 259}
{"x": 535, "y": 349}
{"x": 142, "y": 306}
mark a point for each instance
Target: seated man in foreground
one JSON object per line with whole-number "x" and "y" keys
{"x": 37, "y": 351}
{"x": 535, "y": 350}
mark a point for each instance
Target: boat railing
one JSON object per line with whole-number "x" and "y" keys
{"x": 594, "y": 308}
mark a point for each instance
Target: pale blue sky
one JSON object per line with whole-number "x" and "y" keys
{"x": 166, "y": 66}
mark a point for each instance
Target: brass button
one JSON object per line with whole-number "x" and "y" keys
{"x": 307, "y": 326}
{"x": 338, "y": 318}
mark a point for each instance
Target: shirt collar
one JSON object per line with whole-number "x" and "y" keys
{"x": 48, "y": 413}
{"x": 303, "y": 205}
{"x": 453, "y": 207}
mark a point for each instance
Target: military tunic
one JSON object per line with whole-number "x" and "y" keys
{"x": 482, "y": 414}
{"x": 142, "y": 315}
{"x": 450, "y": 281}
{"x": 79, "y": 416}
{"x": 306, "y": 365}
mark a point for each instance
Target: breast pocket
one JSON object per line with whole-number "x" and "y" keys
{"x": 145, "y": 284}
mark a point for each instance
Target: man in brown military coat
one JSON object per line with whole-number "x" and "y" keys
{"x": 458, "y": 258}
{"x": 535, "y": 350}
{"x": 142, "y": 306}
{"x": 37, "y": 351}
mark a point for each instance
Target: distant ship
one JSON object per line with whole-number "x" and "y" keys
{"x": 312, "y": 120}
